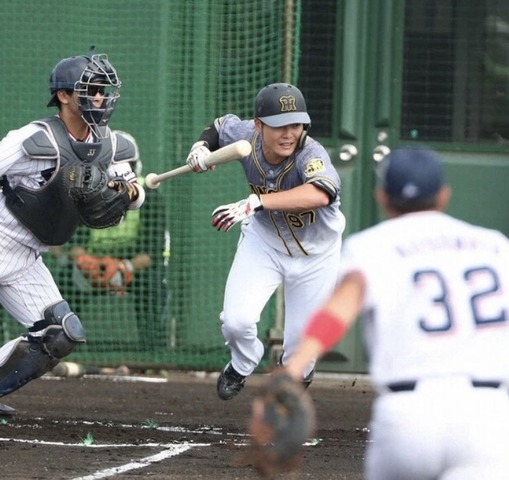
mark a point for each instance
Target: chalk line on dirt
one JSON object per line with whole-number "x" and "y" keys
{"x": 172, "y": 451}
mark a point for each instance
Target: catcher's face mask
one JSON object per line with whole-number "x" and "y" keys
{"x": 98, "y": 92}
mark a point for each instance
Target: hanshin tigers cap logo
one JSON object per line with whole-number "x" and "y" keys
{"x": 288, "y": 103}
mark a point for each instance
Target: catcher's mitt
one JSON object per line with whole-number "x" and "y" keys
{"x": 282, "y": 420}
{"x": 105, "y": 274}
{"x": 100, "y": 201}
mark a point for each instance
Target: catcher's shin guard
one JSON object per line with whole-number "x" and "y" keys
{"x": 27, "y": 357}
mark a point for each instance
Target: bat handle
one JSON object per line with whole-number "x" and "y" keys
{"x": 152, "y": 180}
{"x": 174, "y": 173}
{"x": 225, "y": 154}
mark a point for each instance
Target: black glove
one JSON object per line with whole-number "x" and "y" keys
{"x": 101, "y": 202}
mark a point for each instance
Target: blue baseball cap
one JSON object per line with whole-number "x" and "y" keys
{"x": 411, "y": 173}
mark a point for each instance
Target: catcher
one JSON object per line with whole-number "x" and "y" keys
{"x": 56, "y": 174}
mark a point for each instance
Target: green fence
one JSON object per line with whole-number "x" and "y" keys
{"x": 182, "y": 63}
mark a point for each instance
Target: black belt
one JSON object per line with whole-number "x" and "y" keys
{"x": 410, "y": 386}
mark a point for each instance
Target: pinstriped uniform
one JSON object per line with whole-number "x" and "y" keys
{"x": 27, "y": 287}
{"x": 298, "y": 250}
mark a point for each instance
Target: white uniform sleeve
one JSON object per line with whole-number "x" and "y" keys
{"x": 124, "y": 170}
{"x": 12, "y": 156}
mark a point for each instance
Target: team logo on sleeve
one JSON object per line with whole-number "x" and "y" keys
{"x": 314, "y": 166}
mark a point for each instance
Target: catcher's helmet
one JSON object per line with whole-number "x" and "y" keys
{"x": 280, "y": 104}
{"x": 65, "y": 75}
{"x": 86, "y": 75}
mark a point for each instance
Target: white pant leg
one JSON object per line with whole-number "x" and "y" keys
{"x": 308, "y": 283}
{"x": 404, "y": 442}
{"x": 253, "y": 278}
{"x": 479, "y": 442}
{"x": 28, "y": 292}
{"x": 445, "y": 430}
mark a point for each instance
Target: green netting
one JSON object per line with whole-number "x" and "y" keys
{"x": 182, "y": 63}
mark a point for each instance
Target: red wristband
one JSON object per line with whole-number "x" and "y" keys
{"x": 326, "y": 328}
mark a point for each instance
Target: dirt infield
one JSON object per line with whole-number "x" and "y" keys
{"x": 129, "y": 427}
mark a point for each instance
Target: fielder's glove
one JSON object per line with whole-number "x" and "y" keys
{"x": 197, "y": 158}
{"x": 106, "y": 274}
{"x": 282, "y": 419}
{"x": 225, "y": 217}
{"x": 101, "y": 202}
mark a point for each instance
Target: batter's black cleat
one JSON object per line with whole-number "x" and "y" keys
{"x": 229, "y": 383}
{"x": 306, "y": 382}
{"x": 6, "y": 411}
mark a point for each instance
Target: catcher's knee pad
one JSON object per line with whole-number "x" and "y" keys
{"x": 61, "y": 330}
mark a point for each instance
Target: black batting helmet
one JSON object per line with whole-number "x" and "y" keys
{"x": 280, "y": 104}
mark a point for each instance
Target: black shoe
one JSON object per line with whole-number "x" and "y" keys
{"x": 229, "y": 383}
{"x": 6, "y": 411}
{"x": 306, "y": 382}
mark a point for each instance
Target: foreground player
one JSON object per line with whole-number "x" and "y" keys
{"x": 434, "y": 292}
{"x": 36, "y": 211}
{"x": 291, "y": 226}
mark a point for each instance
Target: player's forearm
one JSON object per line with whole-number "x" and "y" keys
{"x": 329, "y": 325}
{"x": 322, "y": 332}
{"x": 298, "y": 199}
{"x": 308, "y": 350}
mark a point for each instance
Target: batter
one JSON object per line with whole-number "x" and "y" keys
{"x": 291, "y": 226}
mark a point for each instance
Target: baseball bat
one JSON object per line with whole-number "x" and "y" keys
{"x": 226, "y": 154}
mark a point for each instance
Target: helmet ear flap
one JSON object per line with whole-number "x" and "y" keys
{"x": 303, "y": 136}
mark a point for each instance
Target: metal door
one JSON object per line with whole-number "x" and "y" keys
{"x": 379, "y": 73}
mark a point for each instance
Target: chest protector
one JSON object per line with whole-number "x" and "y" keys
{"x": 49, "y": 212}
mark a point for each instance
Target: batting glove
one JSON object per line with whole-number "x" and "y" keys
{"x": 197, "y": 158}
{"x": 226, "y": 216}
